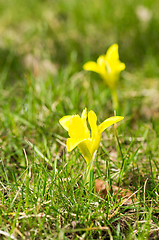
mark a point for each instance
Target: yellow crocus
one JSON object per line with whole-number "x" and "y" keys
{"x": 108, "y": 66}
{"x": 79, "y": 134}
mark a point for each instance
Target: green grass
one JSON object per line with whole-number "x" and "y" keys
{"x": 42, "y": 49}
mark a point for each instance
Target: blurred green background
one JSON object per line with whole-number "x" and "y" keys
{"x": 49, "y": 34}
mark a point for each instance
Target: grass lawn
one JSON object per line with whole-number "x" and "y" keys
{"x": 43, "y": 46}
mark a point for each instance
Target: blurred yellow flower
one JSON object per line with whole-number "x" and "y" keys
{"x": 108, "y": 66}
{"x": 80, "y": 135}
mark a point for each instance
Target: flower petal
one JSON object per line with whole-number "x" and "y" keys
{"x": 96, "y": 135}
{"x": 112, "y": 53}
{"x": 102, "y": 66}
{"x": 85, "y": 147}
{"x": 101, "y": 61}
{"x": 92, "y": 119}
{"x": 121, "y": 66}
{"x": 114, "y": 65}
{"x": 72, "y": 143}
{"x": 78, "y": 129}
{"x": 84, "y": 120}
{"x": 65, "y": 121}
{"x": 108, "y": 122}
{"x": 91, "y": 66}
{"x": 84, "y": 114}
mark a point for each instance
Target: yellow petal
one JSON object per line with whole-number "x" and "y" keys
{"x": 121, "y": 66}
{"x": 112, "y": 52}
{"x": 65, "y": 121}
{"x": 96, "y": 135}
{"x": 102, "y": 66}
{"x": 101, "y": 61}
{"x": 92, "y": 119}
{"x": 77, "y": 128}
{"x": 91, "y": 66}
{"x": 84, "y": 148}
{"x": 84, "y": 114}
{"x": 72, "y": 143}
{"x": 114, "y": 65}
{"x": 84, "y": 120}
{"x": 95, "y": 142}
{"x": 108, "y": 122}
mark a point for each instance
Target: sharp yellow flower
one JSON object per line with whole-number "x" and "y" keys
{"x": 79, "y": 134}
{"x": 108, "y": 66}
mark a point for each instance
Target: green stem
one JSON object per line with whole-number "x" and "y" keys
{"x": 91, "y": 179}
{"x": 122, "y": 156}
{"x": 89, "y": 173}
{"x": 115, "y": 99}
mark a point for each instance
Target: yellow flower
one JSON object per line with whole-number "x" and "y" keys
{"x": 80, "y": 135}
{"x": 108, "y": 66}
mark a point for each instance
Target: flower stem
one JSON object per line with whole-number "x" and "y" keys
{"x": 115, "y": 99}
{"x": 89, "y": 172}
{"x": 91, "y": 179}
{"x": 122, "y": 156}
